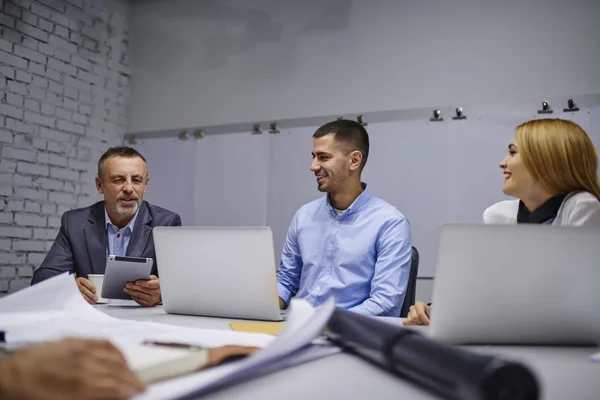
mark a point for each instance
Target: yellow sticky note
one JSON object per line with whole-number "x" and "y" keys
{"x": 271, "y": 328}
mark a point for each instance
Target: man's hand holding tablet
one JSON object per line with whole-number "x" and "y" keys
{"x": 130, "y": 278}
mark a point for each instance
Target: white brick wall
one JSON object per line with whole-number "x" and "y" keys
{"x": 64, "y": 85}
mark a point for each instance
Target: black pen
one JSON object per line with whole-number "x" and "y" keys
{"x": 173, "y": 345}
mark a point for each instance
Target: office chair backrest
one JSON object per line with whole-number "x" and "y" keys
{"x": 411, "y": 288}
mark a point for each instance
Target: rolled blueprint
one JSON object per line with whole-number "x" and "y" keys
{"x": 450, "y": 372}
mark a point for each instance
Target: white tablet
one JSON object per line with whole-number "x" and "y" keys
{"x": 123, "y": 269}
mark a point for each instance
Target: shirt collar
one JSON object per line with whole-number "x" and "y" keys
{"x": 356, "y": 204}
{"x": 544, "y": 213}
{"x": 129, "y": 225}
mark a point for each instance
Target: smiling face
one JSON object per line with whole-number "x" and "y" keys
{"x": 123, "y": 182}
{"x": 518, "y": 181}
{"x": 332, "y": 164}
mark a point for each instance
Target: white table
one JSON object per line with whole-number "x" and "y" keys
{"x": 565, "y": 373}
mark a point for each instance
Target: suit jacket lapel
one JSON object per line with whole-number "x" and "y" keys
{"x": 95, "y": 238}
{"x": 141, "y": 232}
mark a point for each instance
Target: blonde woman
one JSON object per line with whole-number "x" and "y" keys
{"x": 552, "y": 170}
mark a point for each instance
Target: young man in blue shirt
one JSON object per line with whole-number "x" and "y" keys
{"x": 348, "y": 244}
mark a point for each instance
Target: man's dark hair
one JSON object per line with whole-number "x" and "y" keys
{"x": 350, "y": 133}
{"x": 121, "y": 151}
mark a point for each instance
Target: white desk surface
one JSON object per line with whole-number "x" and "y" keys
{"x": 565, "y": 373}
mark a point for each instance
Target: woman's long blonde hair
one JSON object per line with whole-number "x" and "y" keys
{"x": 559, "y": 155}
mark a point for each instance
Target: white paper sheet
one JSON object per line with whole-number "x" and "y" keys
{"x": 298, "y": 314}
{"x": 57, "y": 294}
{"x": 289, "y": 348}
{"x": 57, "y": 304}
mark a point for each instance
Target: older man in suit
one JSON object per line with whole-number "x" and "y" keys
{"x": 120, "y": 225}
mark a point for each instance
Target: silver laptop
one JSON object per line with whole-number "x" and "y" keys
{"x": 517, "y": 284}
{"x": 224, "y": 272}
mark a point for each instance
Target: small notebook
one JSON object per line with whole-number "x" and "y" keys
{"x": 152, "y": 363}
{"x": 158, "y": 361}
{"x": 271, "y": 328}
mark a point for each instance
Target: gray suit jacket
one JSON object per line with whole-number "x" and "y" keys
{"x": 80, "y": 245}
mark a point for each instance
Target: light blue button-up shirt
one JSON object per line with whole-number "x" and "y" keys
{"x": 361, "y": 256}
{"x": 118, "y": 239}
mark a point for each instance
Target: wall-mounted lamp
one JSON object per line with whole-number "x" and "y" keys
{"x": 437, "y": 116}
{"x": 199, "y": 134}
{"x": 256, "y": 129}
{"x": 273, "y": 128}
{"x": 545, "y": 108}
{"x": 571, "y": 106}
{"x": 361, "y": 120}
{"x": 131, "y": 140}
{"x": 182, "y": 135}
{"x": 459, "y": 114}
